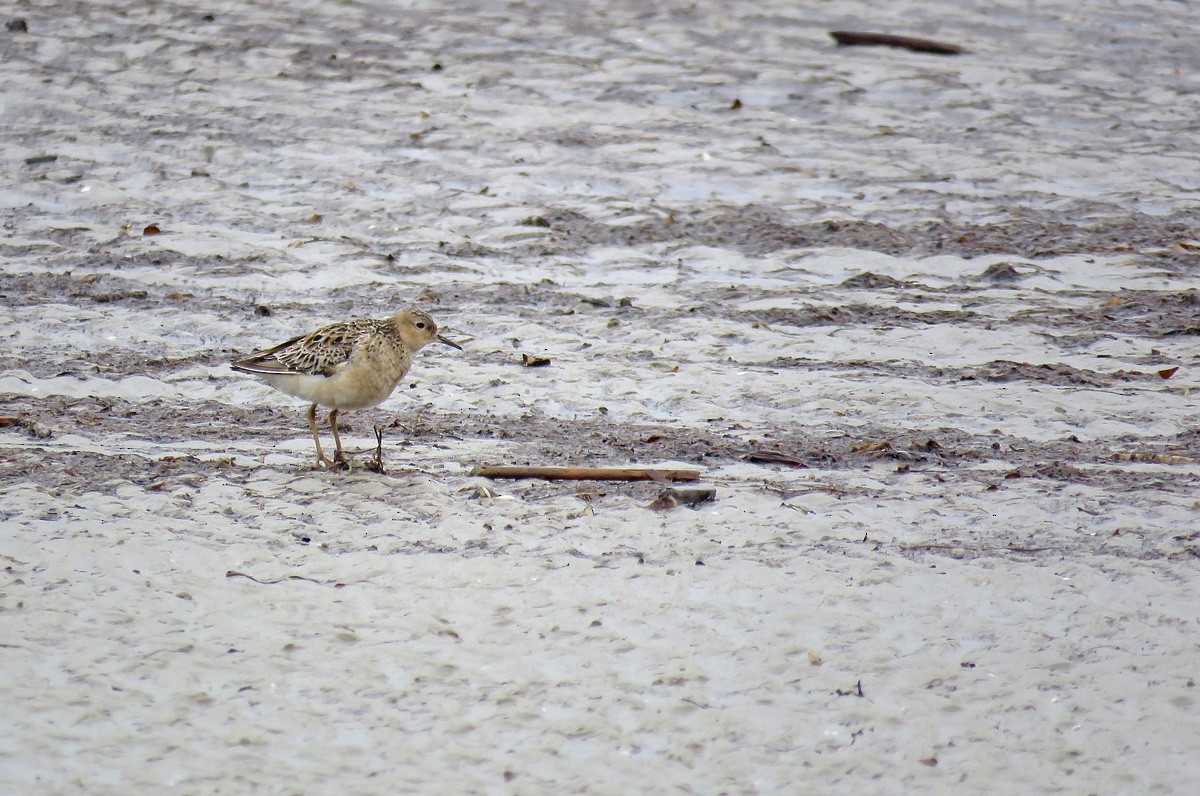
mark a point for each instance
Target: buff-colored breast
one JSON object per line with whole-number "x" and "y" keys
{"x": 366, "y": 379}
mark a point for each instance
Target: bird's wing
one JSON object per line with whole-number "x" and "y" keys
{"x": 317, "y": 353}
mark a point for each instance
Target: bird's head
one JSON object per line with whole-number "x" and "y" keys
{"x": 417, "y": 330}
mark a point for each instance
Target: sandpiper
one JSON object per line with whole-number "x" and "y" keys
{"x": 346, "y": 365}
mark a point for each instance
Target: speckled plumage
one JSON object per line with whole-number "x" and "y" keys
{"x": 321, "y": 352}
{"x": 345, "y": 365}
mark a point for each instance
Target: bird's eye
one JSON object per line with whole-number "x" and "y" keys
{"x": 420, "y": 324}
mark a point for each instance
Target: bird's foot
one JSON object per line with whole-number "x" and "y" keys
{"x": 339, "y": 462}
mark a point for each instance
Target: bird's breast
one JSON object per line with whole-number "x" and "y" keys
{"x": 367, "y": 379}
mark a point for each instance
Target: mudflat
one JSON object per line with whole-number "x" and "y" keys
{"x": 927, "y": 323}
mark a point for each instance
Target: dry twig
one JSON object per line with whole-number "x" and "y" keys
{"x": 588, "y": 473}
{"x": 846, "y": 38}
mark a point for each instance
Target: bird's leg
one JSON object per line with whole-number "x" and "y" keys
{"x": 312, "y": 424}
{"x": 339, "y": 457}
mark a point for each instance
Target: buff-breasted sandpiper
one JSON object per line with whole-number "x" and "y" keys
{"x": 346, "y": 365}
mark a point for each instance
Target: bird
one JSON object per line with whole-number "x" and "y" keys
{"x": 351, "y": 364}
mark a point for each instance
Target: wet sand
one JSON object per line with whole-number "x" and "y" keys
{"x": 927, "y": 324}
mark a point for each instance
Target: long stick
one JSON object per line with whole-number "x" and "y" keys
{"x": 851, "y": 37}
{"x": 588, "y": 473}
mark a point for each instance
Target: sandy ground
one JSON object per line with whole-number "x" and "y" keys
{"x": 911, "y": 314}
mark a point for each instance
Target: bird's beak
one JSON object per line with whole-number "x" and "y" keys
{"x": 448, "y": 342}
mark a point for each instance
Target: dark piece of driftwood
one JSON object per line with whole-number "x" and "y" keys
{"x": 588, "y": 473}
{"x": 772, "y": 457}
{"x": 847, "y": 38}
{"x": 692, "y": 496}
